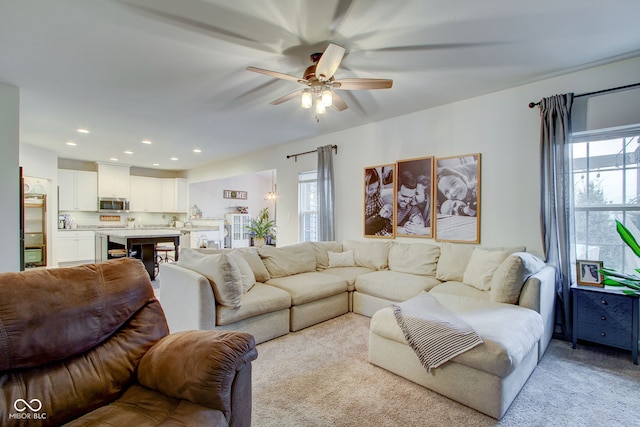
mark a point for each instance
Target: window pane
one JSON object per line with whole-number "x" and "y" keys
{"x": 607, "y": 187}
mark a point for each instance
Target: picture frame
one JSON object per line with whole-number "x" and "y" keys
{"x": 457, "y": 198}
{"x": 379, "y": 200}
{"x": 414, "y": 197}
{"x": 587, "y": 273}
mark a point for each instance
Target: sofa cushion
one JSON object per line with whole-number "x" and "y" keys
{"x": 341, "y": 259}
{"x": 453, "y": 261}
{"x": 310, "y": 286}
{"x": 288, "y": 260}
{"x": 221, "y": 271}
{"x": 511, "y": 274}
{"x": 321, "y": 249}
{"x": 250, "y": 255}
{"x": 374, "y": 255}
{"x": 414, "y": 258}
{"x": 350, "y": 274}
{"x": 458, "y": 288}
{"x": 509, "y": 332}
{"x": 261, "y": 299}
{"x": 393, "y": 285}
{"x": 482, "y": 264}
{"x": 246, "y": 274}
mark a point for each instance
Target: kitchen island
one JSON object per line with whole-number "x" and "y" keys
{"x": 138, "y": 243}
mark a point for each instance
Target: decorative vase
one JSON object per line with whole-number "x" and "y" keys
{"x": 259, "y": 242}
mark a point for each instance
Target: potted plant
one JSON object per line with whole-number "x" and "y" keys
{"x": 261, "y": 227}
{"x": 628, "y": 281}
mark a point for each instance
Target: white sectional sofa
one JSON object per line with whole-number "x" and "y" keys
{"x": 505, "y": 294}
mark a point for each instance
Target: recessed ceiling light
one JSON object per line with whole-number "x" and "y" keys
{"x": 128, "y": 152}
{"x": 83, "y": 131}
{"x": 174, "y": 158}
{"x": 156, "y": 164}
{"x": 197, "y": 150}
{"x": 146, "y": 141}
{"x": 114, "y": 159}
{"x": 71, "y": 143}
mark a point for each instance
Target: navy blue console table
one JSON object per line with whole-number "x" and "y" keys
{"x": 606, "y": 316}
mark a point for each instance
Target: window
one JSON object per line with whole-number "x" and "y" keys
{"x": 307, "y": 207}
{"x": 606, "y": 187}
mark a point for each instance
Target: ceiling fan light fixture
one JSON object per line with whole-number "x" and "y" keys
{"x": 307, "y": 100}
{"x": 320, "y": 107}
{"x": 327, "y": 97}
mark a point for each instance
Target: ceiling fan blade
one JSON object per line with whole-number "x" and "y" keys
{"x": 338, "y": 102}
{"x": 286, "y": 97}
{"x": 276, "y": 74}
{"x": 362, "y": 84}
{"x": 329, "y": 62}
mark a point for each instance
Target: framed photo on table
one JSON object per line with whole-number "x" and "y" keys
{"x": 457, "y": 198}
{"x": 414, "y": 197}
{"x": 587, "y": 273}
{"x": 379, "y": 199}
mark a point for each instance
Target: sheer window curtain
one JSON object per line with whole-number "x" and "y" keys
{"x": 555, "y": 203}
{"x": 326, "y": 198}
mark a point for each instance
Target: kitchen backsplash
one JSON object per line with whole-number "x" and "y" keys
{"x": 142, "y": 219}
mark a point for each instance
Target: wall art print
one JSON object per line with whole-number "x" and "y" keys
{"x": 457, "y": 197}
{"x": 414, "y": 197}
{"x": 379, "y": 200}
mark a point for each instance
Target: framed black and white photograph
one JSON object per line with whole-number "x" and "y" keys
{"x": 457, "y": 197}
{"x": 588, "y": 274}
{"x": 379, "y": 201}
{"x": 414, "y": 197}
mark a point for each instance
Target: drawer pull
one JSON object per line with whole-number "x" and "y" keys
{"x": 603, "y": 334}
{"x": 603, "y": 317}
{"x": 604, "y": 302}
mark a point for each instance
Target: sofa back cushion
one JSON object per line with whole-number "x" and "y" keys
{"x": 288, "y": 260}
{"x": 221, "y": 271}
{"x": 250, "y": 255}
{"x": 81, "y": 329}
{"x": 246, "y": 273}
{"x": 374, "y": 255}
{"x": 453, "y": 261}
{"x": 511, "y": 274}
{"x": 414, "y": 258}
{"x": 321, "y": 250}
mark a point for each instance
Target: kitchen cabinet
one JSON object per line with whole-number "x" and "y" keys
{"x": 78, "y": 190}
{"x": 174, "y": 195}
{"x": 146, "y": 194}
{"x": 76, "y": 247}
{"x": 113, "y": 181}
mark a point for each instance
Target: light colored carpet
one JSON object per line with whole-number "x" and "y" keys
{"x": 320, "y": 377}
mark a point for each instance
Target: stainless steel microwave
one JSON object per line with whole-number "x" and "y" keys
{"x": 108, "y": 204}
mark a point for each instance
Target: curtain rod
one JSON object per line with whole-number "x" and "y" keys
{"x": 598, "y": 92}
{"x": 295, "y": 156}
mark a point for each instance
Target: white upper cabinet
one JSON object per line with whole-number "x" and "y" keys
{"x": 174, "y": 195}
{"x": 113, "y": 181}
{"x": 78, "y": 190}
{"x": 146, "y": 194}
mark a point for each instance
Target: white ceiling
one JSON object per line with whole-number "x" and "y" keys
{"x": 174, "y": 71}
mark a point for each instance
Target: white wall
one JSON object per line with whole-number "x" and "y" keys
{"x": 10, "y": 178}
{"x": 498, "y": 125}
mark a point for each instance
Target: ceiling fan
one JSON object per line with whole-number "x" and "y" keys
{"x": 320, "y": 82}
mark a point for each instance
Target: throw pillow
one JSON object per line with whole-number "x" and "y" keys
{"x": 374, "y": 255}
{"x": 222, "y": 272}
{"x": 414, "y": 258}
{"x": 260, "y": 272}
{"x": 511, "y": 275}
{"x": 453, "y": 261}
{"x": 341, "y": 259}
{"x": 321, "y": 250}
{"x": 246, "y": 273}
{"x": 482, "y": 265}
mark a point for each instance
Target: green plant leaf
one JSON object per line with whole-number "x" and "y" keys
{"x": 614, "y": 273}
{"x": 627, "y": 292}
{"x": 622, "y": 283}
{"x": 628, "y": 238}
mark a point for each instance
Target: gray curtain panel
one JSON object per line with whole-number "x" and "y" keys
{"x": 555, "y": 203}
{"x": 326, "y": 197}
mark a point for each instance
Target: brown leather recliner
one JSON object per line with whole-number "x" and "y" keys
{"x": 90, "y": 345}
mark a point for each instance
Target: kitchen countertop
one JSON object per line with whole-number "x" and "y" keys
{"x": 139, "y": 232}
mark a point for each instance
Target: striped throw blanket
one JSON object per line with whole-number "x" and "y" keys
{"x": 433, "y": 331}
